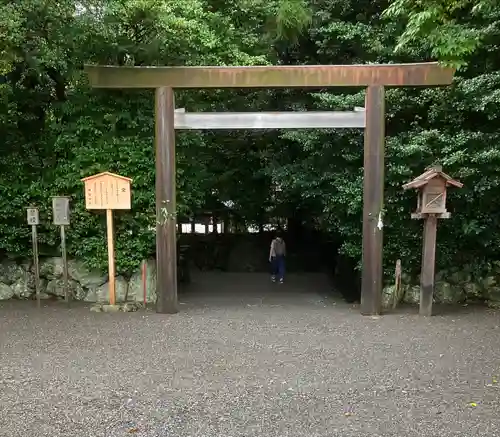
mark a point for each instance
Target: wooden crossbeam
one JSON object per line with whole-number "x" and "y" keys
{"x": 269, "y": 120}
{"x": 272, "y": 76}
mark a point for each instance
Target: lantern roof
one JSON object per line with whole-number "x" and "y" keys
{"x": 433, "y": 172}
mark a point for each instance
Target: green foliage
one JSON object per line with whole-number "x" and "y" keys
{"x": 56, "y": 130}
{"x": 450, "y": 30}
{"x": 292, "y": 18}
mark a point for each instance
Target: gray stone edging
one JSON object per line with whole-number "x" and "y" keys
{"x": 17, "y": 281}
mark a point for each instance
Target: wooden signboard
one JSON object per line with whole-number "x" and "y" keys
{"x": 33, "y": 217}
{"x": 60, "y": 214}
{"x": 108, "y": 191}
{"x": 60, "y": 210}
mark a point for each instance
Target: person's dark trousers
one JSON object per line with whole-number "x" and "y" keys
{"x": 278, "y": 266}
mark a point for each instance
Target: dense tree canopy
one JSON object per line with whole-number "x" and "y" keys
{"x": 449, "y": 30}
{"x": 55, "y": 130}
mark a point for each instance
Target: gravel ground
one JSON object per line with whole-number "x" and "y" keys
{"x": 248, "y": 359}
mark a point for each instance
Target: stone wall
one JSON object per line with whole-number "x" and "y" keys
{"x": 226, "y": 252}
{"x": 451, "y": 287}
{"x": 17, "y": 281}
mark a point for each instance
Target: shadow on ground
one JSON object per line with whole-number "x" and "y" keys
{"x": 218, "y": 289}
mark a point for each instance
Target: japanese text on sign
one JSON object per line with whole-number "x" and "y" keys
{"x": 33, "y": 218}
{"x": 107, "y": 191}
{"x": 60, "y": 210}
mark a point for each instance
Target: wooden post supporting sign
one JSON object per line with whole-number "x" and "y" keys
{"x": 397, "y": 284}
{"x": 34, "y": 221}
{"x": 428, "y": 265}
{"x": 108, "y": 191}
{"x": 111, "y": 256}
{"x": 144, "y": 283}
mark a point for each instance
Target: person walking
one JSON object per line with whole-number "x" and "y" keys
{"x": 277, "y": 259}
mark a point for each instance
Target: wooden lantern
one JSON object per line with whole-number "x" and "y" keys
{"x": 431, "y": 186}
{"x": 431, "y": 205}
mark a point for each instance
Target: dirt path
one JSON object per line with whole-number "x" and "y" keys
{"x": 248, "y": 358}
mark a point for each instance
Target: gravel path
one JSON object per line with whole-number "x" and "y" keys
{"x": 277, "y": 362}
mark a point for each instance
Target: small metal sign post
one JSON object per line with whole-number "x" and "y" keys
{"x": 60, "y": 213}
{"x": 34, "y": 221}
{"x": 108, "y": 191}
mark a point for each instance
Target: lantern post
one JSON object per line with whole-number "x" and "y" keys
{"x": 431, "y": 205}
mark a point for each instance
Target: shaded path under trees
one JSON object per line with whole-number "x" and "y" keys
{"x": 228, "y": 290}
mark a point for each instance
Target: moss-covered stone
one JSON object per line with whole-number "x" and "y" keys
{"x": 445, "y": 292}
{"x": 412, "y": 294}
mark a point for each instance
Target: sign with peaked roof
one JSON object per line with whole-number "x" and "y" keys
{"x": 432, "y": 186}
{"x": 107, "y": 191}
{"x": 431, "y": 206}
{"x": 428, "y": 175}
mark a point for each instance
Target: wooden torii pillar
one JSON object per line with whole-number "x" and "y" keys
{"x": 375, "y": 77}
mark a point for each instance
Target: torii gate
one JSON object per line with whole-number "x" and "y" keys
{"x": 375, "y": 77}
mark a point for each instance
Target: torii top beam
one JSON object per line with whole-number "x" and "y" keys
{"x": 304, "y": 76}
